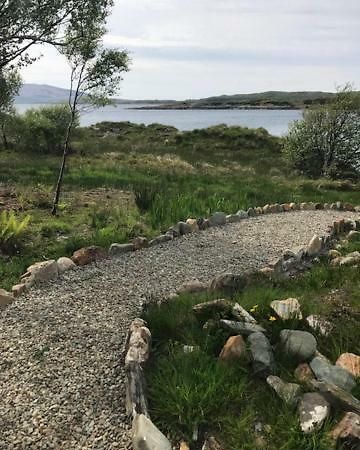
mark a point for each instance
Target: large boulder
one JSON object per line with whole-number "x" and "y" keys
{"x": 287, "y": 309}
{"x": 262, "y": 356}
{"x": 301, "y": 345}
{"x": 234, "y": 349}
{"x": 332, "y": 374}
{"x": 88, "y": 255}
{"x": 146, "y": 436}
{"x": 313, "y": 411}
{"x": 5, "y": 298}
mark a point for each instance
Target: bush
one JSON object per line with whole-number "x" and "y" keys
{"x": 327, "y": 141}
{"x": 43, "y": 130}
{"x": 12, "y": 231}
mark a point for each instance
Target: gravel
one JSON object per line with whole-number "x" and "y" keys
{"x": 61, "y": 345}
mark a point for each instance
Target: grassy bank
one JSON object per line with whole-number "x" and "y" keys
{"x": 124, "y": 180}
{"x": 194, "y": 391}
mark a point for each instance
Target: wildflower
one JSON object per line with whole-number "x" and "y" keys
{"x": 254, "y": 308}
{"x": 272, "y": 318}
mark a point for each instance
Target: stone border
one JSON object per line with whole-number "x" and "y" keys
{"x": 50, "y": 270}
{"x": 145, "y": 435}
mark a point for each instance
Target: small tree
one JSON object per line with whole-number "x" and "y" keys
{"x": 326, "y": 142}
{"x": 10, "y": 83}
{"x": 95, "y": 72}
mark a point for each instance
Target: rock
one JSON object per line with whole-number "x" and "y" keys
{"x": 299, "y": 344}
{"x": 303, "y": 373}
{"x": 184, "y": 446}
{"x": 244, "y": 328}
{"x": 350, "y": 362}
{"x": 41, "y": 271}
{"x": 88, "y": 255}
{"x": 234, "y": 349}
{"x": 242, "y": 214}
{"x": 261, "y": 354}
{"x": 347, "y": 432}
{"x": 194, "y": 227}
{"x": 5, "y": 298}
{"x": 19, "y": 289}
{"x": 313, "y": 411}
{"x": 217, "y": 219}
{"x": 258, "y": 210}
{"x": 232, "y": 218}
{"x": 348, "y": 206}
{"x": 319, "y": 324}
{"x": 288, "y": 392}
{"x": 203, "y": 224}
{"x": 228, "y": 282}
{"x": 318, "y": 206}
{"x": 65, "y": 264}
{"x": 294, "y": 206}
{"x": 287, "y": 309}
{"x": 211, "y": 444}
{"x": 160, "y": 240}
{"x": 332, "y": 374}
{"x": 190, "y": 287}
{"x": 349, "y": 260}
{"x": 147, "y": 437}
{"x": 336, "y": 396}
{"x": 140, "y": 242}
{"x": 266, "y": 209}
{"x": 353, "y": 236}
{"x": 332, "y": 254}
{"x": 314, "y": 246}
{"x": 286, "y": 207}
{"x": 241, "y": 314}
{"x": 251, "y": 212}
{"x": 184, "y": 228}
{"x": 120, "y": 249}
{"x": 139, "y": 342}
{"x": 214, "y": 309}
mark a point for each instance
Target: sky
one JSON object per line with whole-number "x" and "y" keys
{"x": 184, "y": 49}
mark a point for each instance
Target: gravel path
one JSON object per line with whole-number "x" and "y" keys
{"x": 61, "y": 376}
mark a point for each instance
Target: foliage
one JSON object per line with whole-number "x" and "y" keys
{"x": 12, "y": 231}
{"x": 42, "y": 130}
{"x": 327, "y": 141}
{"x": 10, "y": 83}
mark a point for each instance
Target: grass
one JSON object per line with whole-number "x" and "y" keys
{"x": 155, "y": 176}
{"x": 188, "y": 391}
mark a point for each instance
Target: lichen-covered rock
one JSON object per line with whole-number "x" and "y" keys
{"x": 288, "y": 392}
{"x": 319, "y": 324}
{"x": 350, "y": 362}
{"x": 313, "y": 411}
{"x": 287, "y": 309}
{"x": 88, "y": 255}
{"x": 146, "y": 436}
{"x": 299, "y": 344}
{"x": 234, "y": 349}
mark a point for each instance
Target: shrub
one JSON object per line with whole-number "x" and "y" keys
{"x": 12, "y": 231}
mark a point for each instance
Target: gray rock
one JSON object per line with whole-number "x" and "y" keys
{"x": 288, "y": 392}
{"x": 242, "y": 214}
{"x": 287, "y": 309}
{"x": 65, "y": 264}
{"x": 229, "y": 282}
{"x": 160, "y": 240}
{"x": 241, "y": 314}
{"x": 313, "y": 411}
{"x": 41, "y": 271}
{"x": 319, "y": 324}
{"x": 5, "y": 298}
{"x": 147, "y": 437}
{"x": 217, "y": 219}
{"x": 120, "y": 249}
{"x": 299, "y": 344}
{"x": 214, "y": 309}
{"x": 251, "y": 212}
{"x": 184, "y": 228}
{"x": 336, "y": 396}
{"x": 332, "y": 374}
{"x": 244, "y": 328}
{"x": 262, "y": 355}
{"x": 233, "y": 218}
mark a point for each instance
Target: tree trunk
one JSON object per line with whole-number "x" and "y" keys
{"x": 5, "y": 141}
{"x": 62, "y": 167}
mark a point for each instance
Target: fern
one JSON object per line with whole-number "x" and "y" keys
{"x": 12, "y": 231}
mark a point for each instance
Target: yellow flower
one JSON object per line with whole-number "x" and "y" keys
{"x": 272, "y": 318}
{"x": 254, "y": 308}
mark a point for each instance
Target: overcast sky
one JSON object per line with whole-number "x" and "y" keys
{"x": 197, "y": 48}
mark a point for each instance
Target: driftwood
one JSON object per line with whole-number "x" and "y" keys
{"x": 137, "y": 351}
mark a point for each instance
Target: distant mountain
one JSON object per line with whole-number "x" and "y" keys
{"x": 41, "y": 93}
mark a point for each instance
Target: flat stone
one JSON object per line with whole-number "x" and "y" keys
{"x": 288, "y": 392}
{"x": 314, "y": 246}
{"x": 347, "y": 432}
{"x": 146, "y": 436}
{"x": 88, "y": 255}
{"x": 190, "y": 287}
{"x": 120, "y": 249}
{"x": 214, "y": 309}
{"x": 350, "y": 362}
{"x": 299, "y": 344}
{"x": 262, "y": 356}
{"x": 287, "y": 309}
{"x": 244, "y": 328}
{"x": 217, "y": 219}
{"x": 313, "y": 411}
{"x": 303, "y": 373}
{"x": 332, "y": 374}
{"x": 336, "y": 396}
{"x": 65, "y": 264}
{"x": 319, "y": 324}
{"x": 5, "y": 298}
{"x": 160, "y": 240}
{"x": 241, "y": 314}
{"x": 234, "y": 349}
